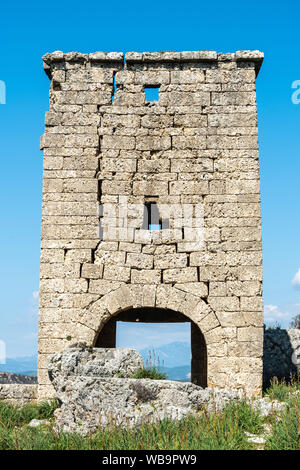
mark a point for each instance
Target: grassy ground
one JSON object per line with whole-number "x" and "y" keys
{"x": 224, "y": 430}
{"x": 285, "y": 428}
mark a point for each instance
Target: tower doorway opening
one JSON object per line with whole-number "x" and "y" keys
{"x": 107, "y": 337}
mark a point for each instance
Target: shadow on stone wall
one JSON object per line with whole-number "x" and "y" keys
{"x": 281, "y": 354}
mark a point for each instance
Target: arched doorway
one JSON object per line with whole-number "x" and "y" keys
{"x": 107, "y": 335}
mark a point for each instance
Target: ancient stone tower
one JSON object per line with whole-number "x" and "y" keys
{"x": 151, "y": 209}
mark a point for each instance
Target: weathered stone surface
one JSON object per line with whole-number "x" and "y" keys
{"x": 93, "y": 362}
{"x": 267, "y": 407}
{"x": 91, "y": 394}
{"x": 93, "y": 402}
{"x": 18, "y": 394}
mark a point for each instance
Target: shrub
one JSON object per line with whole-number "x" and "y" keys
{"x": 281, "y": 390}
{"x": 149, "y": 373}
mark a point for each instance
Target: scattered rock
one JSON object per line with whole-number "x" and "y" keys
{"x": 254, "y": 438}
{"x": 267, "y": 407}
{"x": 80, "y": 360}
{"x": 34, "y": 423}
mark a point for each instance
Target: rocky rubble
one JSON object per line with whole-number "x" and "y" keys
{"x": 90, "y": 397}
{"x": 8, "y": 378}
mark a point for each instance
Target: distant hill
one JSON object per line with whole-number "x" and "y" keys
{"x": 173, "y": 354}
{"x": 180, "y": 373}
{"x": 20, "y": 365}
{"x": 173, "y": 358}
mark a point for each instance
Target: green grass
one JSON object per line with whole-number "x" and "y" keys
{"x": 149, "y": 373}
{"x": 207, "y": 431}
{"x": 281, "y": 390}
{"x": 285, "y": 433}
{"x": 12, "y": 416}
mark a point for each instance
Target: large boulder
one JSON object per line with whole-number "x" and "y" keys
{"x": 80, "y": 360}
{"x": 92, "y": 393}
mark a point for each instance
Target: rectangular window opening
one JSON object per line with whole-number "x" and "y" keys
{"x": 151, "y": 93}
{"x": 114, "y": 90}
{"x": 152, "y": 219}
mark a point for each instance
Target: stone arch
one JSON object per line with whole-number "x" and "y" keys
{"x": 107, "y": 336}
{"x": 164, "y": 297}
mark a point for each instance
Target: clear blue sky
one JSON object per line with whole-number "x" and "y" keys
{"x": 30, "y": 29}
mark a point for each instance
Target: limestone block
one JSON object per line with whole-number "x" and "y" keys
{"x": 103, "y": 286}
{"x": 109, "y": 257}
{"x": 180, "y": 275}
{"x": 245, "y": 349}
{"x": 92, "y": 271}
{"x": 250, "y": 333}
{"x": 251, "y": 304}
{"x": 233, "y": 98}
{"x": 188, "y": 187}
{"x": 231, "y": 142}
{"x": 153, "y": 143}
{"x": 117, "y": 142}
{"x": 171, "y": 260}
{"x": 184, "y": 99}
{"x": 246, "y": 288}
{"x": 187, "y": 76}
{"x": 145, "y": 276}
{"x": 139, "y": 260}
{"x": 75, "y": 285}
{"x": 116, "y": 273}
{"x": 199, "y": 289}
{"x": 52, "y": 256}
{"x": 227, "y": 304}
{"x": 151, "y": 188}
{"x": 189, "y": 142}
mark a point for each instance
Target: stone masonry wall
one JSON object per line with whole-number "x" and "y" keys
{"x": 18, "y": 394}
{"x": 108, "y": 152}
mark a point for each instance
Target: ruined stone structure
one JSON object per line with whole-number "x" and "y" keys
{"x": 94, "y": 386}
{"x": 151, "y": 209}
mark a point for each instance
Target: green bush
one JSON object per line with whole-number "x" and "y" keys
{"x": 281, "y": 390}
{"x": 149, "y": 373}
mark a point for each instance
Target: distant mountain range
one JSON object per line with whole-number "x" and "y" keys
{"x": 173, "y": 358}
{"x": 20, "y": 365}
{"x": 173, "y": 354}
{"x": 180, "y": 373}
